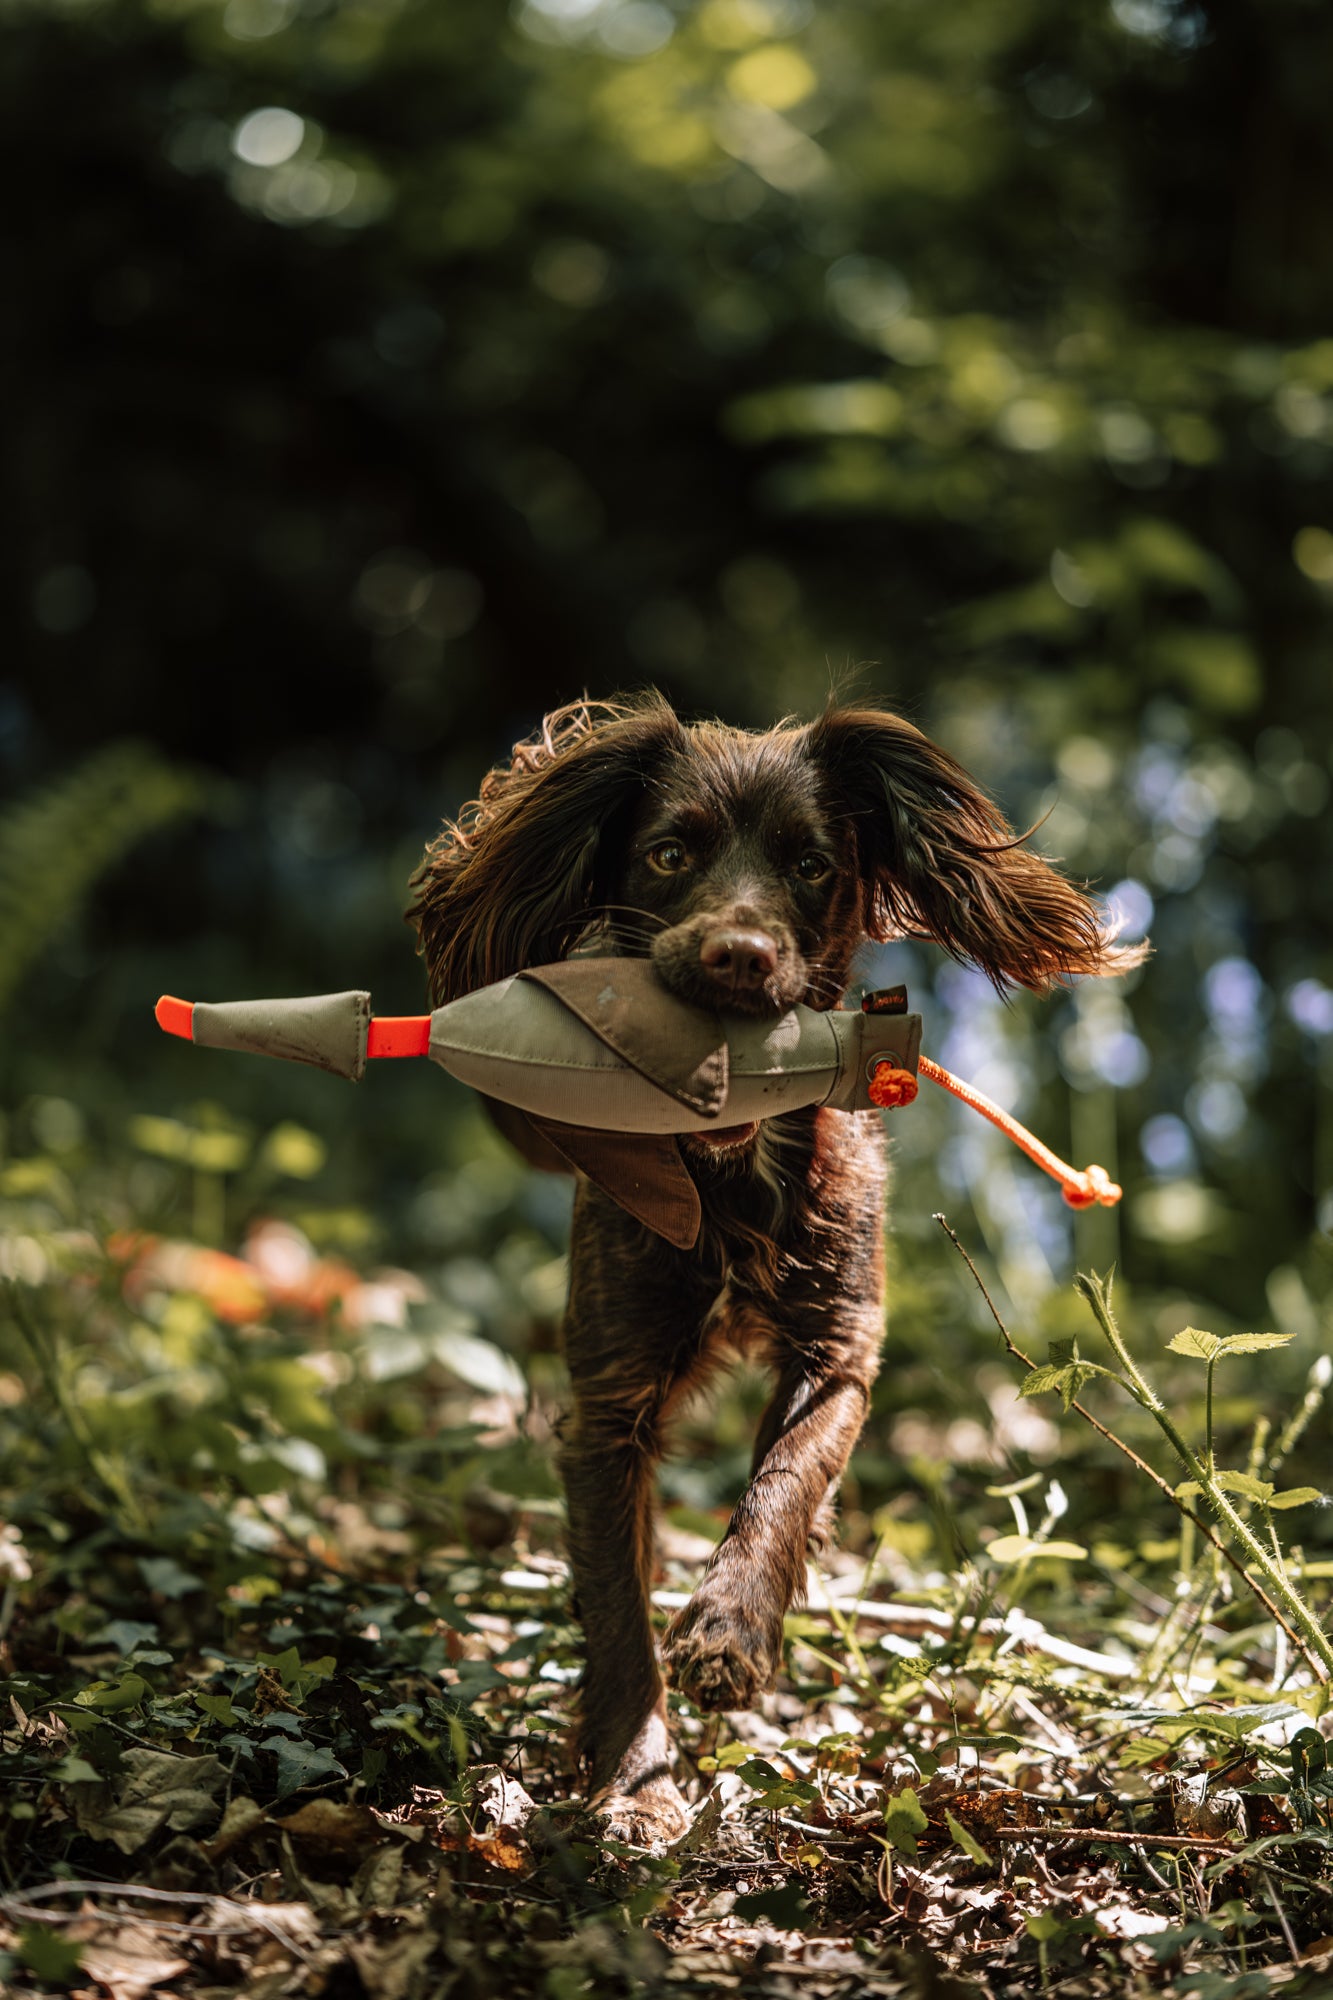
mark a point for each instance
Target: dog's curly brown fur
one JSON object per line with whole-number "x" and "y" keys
{"x": 750, "y": 867}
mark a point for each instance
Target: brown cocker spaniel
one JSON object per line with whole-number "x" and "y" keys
{"x": 749, "y": 867}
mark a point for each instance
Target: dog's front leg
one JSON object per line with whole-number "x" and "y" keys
{"x": 726, "y": 1645}
{"x": 628, "y": 1363}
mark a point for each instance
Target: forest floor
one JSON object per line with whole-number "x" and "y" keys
{"x": 288, "y": 1667}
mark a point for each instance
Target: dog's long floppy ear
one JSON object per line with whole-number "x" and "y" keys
{"x": 517, "y": 878}
{"x": 940, "y": 861}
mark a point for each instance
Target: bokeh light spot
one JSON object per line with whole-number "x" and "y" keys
{"x": 268, "y": 137}
{"x": 1312, "y": 551}
{"x": 639, "y": 28}
{"x": 1168, "y": 1146}
{"x": 1217, "y": 1109}
{"x": 776, "y": 76}
{"x": 1309, "y": 1004}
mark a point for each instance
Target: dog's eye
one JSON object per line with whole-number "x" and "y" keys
{"x": 812, "y": 868}
{"x": 668, "y": 857}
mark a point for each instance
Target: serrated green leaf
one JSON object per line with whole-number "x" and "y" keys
{"x": 1297, "y": 1496}
{"x": 1188, "y": 1489}
{"x": 1260, "y": 1491}
{"x": 969, "y": 1843}
{"x": 1144, "y": 1750}
{"x": 1061, "y": 1352}
{"x": 1200, "y": 1346}
{"x": 1067, "y": 1380}
{"x": 904, "y": 1821}
{"x": 1040, "y": 1380}
{"x": 1255, "y": 1343}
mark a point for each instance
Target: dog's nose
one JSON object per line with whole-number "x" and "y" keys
{"x": 739, "y": 961}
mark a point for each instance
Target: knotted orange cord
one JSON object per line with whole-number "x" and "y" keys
{"x": 890, "y": 1086}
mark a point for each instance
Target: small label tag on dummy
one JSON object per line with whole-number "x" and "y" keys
{"x": 885, "y": 1000}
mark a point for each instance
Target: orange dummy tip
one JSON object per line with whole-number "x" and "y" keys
{"x": 399, "y": 1035}
{"x": 176, "y": 1017}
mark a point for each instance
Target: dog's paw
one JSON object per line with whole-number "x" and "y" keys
{"x": 653, "y": 1815}
{"x": 719, "y": 1659}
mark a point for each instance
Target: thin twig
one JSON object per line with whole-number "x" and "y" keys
{"x": 252, "y": 1916}
{"x": 1281, "y": 1915}
{"x": 1315, "y": 1665}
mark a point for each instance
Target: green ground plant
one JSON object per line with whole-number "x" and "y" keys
{"x": 288, "y": 1660}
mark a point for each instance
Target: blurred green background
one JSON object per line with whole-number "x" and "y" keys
{"x": 380, "y": 375}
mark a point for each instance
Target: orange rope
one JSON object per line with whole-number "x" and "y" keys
{"x": 1080, "y": 1190}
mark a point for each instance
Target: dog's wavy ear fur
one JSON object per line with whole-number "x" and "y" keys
{"x": 519, "y": 876}
{"x": 939, "y": 860}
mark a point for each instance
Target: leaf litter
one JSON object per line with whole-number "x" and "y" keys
{"x": 300, "y": 1735}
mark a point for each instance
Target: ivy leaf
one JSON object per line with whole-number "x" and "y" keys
{"x": 298, "y": 1676}
{"x": 109, "y": 1697}
{"x": 217, "y": 1707}
{"x": 164, "y": 1575}
{"x": 301, "y": 1764}
{"x": 904, "y": 1821}
{"x": 127, "y": 1635}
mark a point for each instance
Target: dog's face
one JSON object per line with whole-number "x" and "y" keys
{"x": 739, "y": 879}
{"x": 748, "y": 866}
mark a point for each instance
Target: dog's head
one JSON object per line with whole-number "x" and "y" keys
{"x": 748, "y": 866}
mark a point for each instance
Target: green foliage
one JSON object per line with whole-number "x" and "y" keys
{"x": 514, "y": 354}
{"x": 56, "y": 843}
{"x": 1210, "y": 1347}
{"x": 960, "y": 340}
{"x": 904, "y": 1821}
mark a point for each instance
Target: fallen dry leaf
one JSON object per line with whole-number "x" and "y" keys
{"x": 155, "y": 1789}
